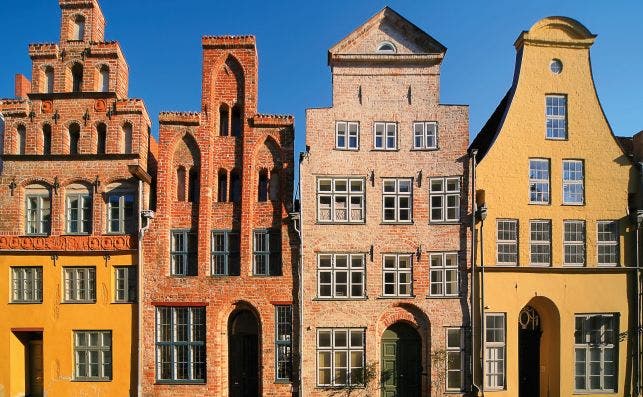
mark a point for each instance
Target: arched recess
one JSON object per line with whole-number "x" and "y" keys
{"x": 229, "y": 88}
{"x": 46, "y": 139}
{"x": 222, "y": 185}
{"x": 73, "y": 133}
{"x": 76, "y": 77}
{"x": 224, "y": 119}
{"x": 187, "y": 155}
{"x": 127, "y": 138}
{"x": 235, "y": 186}
{"x": 269, "y": 167}
{"x": 244, "y": 347}
{"x": 77, "y": 31}
{"x": 48, "y": 79}
{"x": 101, "y": 138}
{"x": 21, "y": 139}
{"x": 103, "y": 79}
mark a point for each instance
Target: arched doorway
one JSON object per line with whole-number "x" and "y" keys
{"x": 401, "y": 361}
{"x": 529, "y": 333}
{"x": 243, "y": 354}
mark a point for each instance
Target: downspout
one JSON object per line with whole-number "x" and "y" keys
{"x": 483, "y": 328}
{"x": 639, "y": 298}
{"x": 472, "y": 155}
{"x": 300, "y": 291}
{"x": 148, "y": 215}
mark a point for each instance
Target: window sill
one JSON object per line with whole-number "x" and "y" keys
{"x": 555, "y": 139}
{"x": 580, "y": 393}
{"x": 434, "y": 149}
{"x": 125, "y": 303}
{"x": 539, "y": 265}
{"x": 397, "y": 223}
{"x": 180, "y": 382}
{"x": 90, "y": 380}
{"x": 347, "y": 149}
{"x": 25, "y": 302}
{"x": 573, "y": 265}
{"x": 267, "y": 275}
{"x": 385, "y": 150}
{"x": 223, "y": 275}
{"x": 283, "y": 381}
{"x": 445, "y": 222}
{"x": 183, "y": 275}
{"x": 78, "y": 302}
{"x": 541, "y": 204}
{"x": 444, "y": 297}
{"x": 36, "y": 235}
{"x": 572, "y": 205}
{"x": 322, "y": 299}
{"x": 341, "y": 223}
{"x": 396, "y": 297}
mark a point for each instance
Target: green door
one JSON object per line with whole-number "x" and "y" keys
{"x": 401, "y": 361}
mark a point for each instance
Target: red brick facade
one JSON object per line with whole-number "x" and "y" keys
{"x": 387, "y": 70}
{"x": 230, "y": 170}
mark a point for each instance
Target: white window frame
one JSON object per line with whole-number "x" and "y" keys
{"x": 332, "y": 349}
{"x": 397, "y": 194}
{"x": 355, "y": 269}
{"x": 555, "y": 117}
{"x": 500, "y": 356}
{"x": 83, "y": 208}
{"x": 540, "y": 238}
{"x": 507, "y": 242}
{"x": 125, "y": 284}
{"x": 354, "y": 197}
{"x": 571, "y": 180}
{"x": 424, "y": 131}
{"x": 538, "y": 181}
{"x": 38, "y": 218}
{"x": 599, "y": 340}
{"x": 396, "y": 271}
{"x": 388, "y": 130}
{"x": 451, "y": 351}
{"x": 26, "y": 284}
{"x": 79, "y": 285}
{"x": 88, "y": 354}
{"x": 283, "y": 342}
{"x": 602, "y": 243}
{"x": 126, "y": 224}
{"x": 574, "y": 243}
{"x": 438, "y": 274}
{"x": 350, "y": 135}
{"x": 442, "y": 189}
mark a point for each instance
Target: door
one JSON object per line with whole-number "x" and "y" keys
{"x": 529, "y": 353}
{"x": 401, "y": 361}
{"x": 243, "y": 354}
{"x": 34, "y": 369}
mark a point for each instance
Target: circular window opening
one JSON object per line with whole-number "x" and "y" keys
{"x": 556, "y": 66}
{"x": 386, "y": 48}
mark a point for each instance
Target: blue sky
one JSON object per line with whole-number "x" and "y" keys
{"x": 161, "y": 41}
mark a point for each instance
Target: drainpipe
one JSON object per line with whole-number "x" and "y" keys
{"x": 146, "y": 215}
{"x": 483, "y": 328}
{"x": 473, "y": 367}
{"x": 639, "y": 299}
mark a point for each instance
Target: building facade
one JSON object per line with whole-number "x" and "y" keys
{"x": 385, "y": 209}
{"x": 75, "y": 160}
{"x": 555, "y": 261}
{"x": 220, "y": 255}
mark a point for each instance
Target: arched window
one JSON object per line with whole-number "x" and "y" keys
{"x": 78, "y": 28}
{"x": 180, "y": 183}
{"x": 74, "y": 138}
{"x": 46, "y": 139}
{"x": 263, "y": 186}
{"x": 193, "y": 186}
{"x": 274, "y": 185}
{"x": 224, "y": 120}
{"x": 237, "y": 121}
{"x": 101, "y": 138}
{"x": 127, "y": 138}
{"x": 21, "y": 139}
{"x": 223, "y": 186}
{"x": 48, "y": 82}
{"x": 103, "y": 79}
{"x": 77, "y": 77}
{"x": 235, "y": 187}
{"x": 386, "y": 47}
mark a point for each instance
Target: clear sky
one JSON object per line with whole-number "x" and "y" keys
{"x": 161, "y": 42}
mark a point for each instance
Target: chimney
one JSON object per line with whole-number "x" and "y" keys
{"x": 23, "y": 86}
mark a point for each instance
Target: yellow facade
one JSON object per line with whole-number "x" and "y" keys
{"x": 55, "y": 321}
{"x": 557, "y": 292}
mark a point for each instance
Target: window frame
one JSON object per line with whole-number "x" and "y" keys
{"x": 396, "y": 271}
{"x": 85, "y": 203}
{"x": 397, "y": 196}
{"x": 500, "y": 346}
{"x": 539, "y": 181}
{"x": 348, "y": 194}
{"x": 385, "y": 135}
{"x": 574, "y": 182}
{"x": 540, "y": 243}
{"x": 41, "y": 213}
{"x": 602, "y": 345}
{"x": 443, "y": 270}
{"x": 125, "y": 223}
{"x": 608, "y": 243}
{"x": 348, "y": 135}
{"x": 508, "y": 242}
{"x": 189, "y": 258}
{"x": 459, "y": 350}
{"x": 333, "y": 349}
{"x": 129, "y": 278}
{"x": 575, "y": 243}
{"x": 283, "y": 340}
{"x": 272, "y": 259}
{"x": 558, "y": 118}
{"x": 30, "y": 284}
{"x": 334, "y": 270}
{"x": 445, "y": 193}
{"x": 84, "y": 284}
{"x": 229, "y": 253}
{"x": 424, "y": 136}
{"x": 104, "y": 355}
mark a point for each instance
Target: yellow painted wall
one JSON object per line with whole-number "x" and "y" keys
{"x": 503, "y": 175}
{"x": 58, "y": 321}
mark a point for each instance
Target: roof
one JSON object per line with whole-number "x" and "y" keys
{"x": 487, "y": 135}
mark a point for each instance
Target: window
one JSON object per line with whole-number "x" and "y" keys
{"x": 507, "y": 242}
{"x": 21, "y": 136}
{"x": 46, "y": 139}
{"x": 80, "y": 284}
{"x": 262, "y": 187}
{"x": 266, "y": 253}
{"x": 556, "y": 66}
{"x": 184, "y": 253}
{"x": 77, "y": 77}
{"x": 74, "y": 138}
{"x": 180, "y": 344}
{"x": 127, "y": 138}
{"x": 222, "y": 191}
{"x": 494, "y": 351}
{"x": 347, "y": 135}
{"x": 283, "y": 342}
{"x": 92, "y": 355}
{"x": 340, "y": 357}
{"x": 539, "y": 181}
{"x": 386, "y": 47}
{"x": 101, "y": 139}
{"x": 455, "y": 359}
{"x": 225, "y": 253}
{"x": 556, "y": 116}
{"x": 595, "y": 352}
{"x": 193, "y": 185}
{"x": 38, "y": 210}
{"x": 103, "y": 79}
{"x": 444, "y": 274}
{"x": 340, "y": 276}
{"x": 540, "y": 243}
{"x": 78, "y": 28}
{"x": 445, "y": 199}
{"x": 608, "y": 249}
{"x": 224, "y": 120}
{"x": 425, "y": 135}
{"x": 574, "y": 243}
{"x": 120, "y": 212}
{"x": 125, "y": 281}
{"x": 573, "y": 189}
{"x": 79, "y": 210}
{"x": 385, "y": 136}
{"x": 396, "y": 200}
{"x": 237, "y": 121}
{"x": 340, "y": 200}
{"x": 397, "y": 275}
{"x": 26, "y": 284}
{"x": 48, "y": 84}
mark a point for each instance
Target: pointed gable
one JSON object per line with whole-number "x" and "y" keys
{"x": 386, "y": 27}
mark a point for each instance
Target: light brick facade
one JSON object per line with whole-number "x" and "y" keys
{"x": 224, "y": 170}
{"x": 399, "y": 85}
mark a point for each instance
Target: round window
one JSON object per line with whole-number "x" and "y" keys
{"x": 556, "y": 66}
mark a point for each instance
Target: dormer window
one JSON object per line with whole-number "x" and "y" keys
{"x": 78, "y": 28}
{"x": 386, "y": 47}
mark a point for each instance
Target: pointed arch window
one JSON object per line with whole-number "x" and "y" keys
{"x": 103, "y": 79}
{"x": 74, "y": 138}
{"x": 21, "y": 139}
{"x": 77, "y": 77}
{"x": 223, "y": 186}
{"x": 180, "y": 183}
{"x": 235, "y": 187}
{"x": 101, "y": 138}
{"x": 237, "y": 121}
{"x": 78, "y": 28}
{"x": 193, "y": 186}
{"x": 127, "y": 138}
{"x": 263, "y": 186}
{"x": 48, "y": 83}
{"x": 46, "y": 139}
{"x": 224, "y": 120}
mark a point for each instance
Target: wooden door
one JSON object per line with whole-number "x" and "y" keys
{"x": 35, "y": 369}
